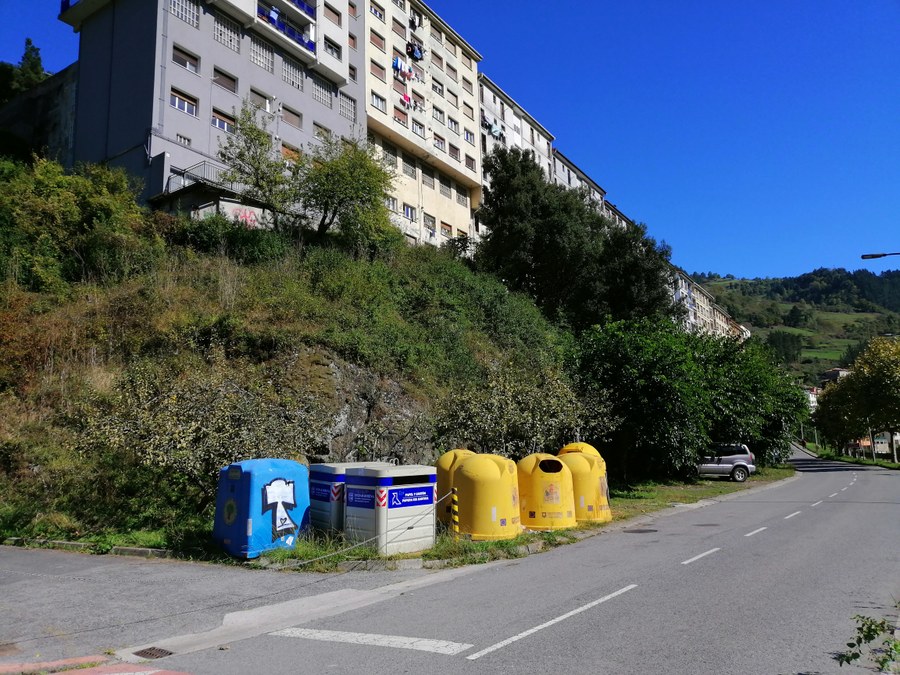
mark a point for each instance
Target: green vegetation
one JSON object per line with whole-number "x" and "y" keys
{"x": 834, "y": 312}
{"x": 886, "y": 655}
{"x": 27, "y": 74}
{"x": 868, "y": 399}
{"x": 141, "y": 352}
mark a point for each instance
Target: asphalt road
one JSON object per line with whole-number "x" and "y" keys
{"x": 766, "y": 581}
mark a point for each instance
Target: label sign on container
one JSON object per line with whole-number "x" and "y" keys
{"x": 415, "y": 496}
{"x": 319, "y": 492}
{"x": 361, "y": 499}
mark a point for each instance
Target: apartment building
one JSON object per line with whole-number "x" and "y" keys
{"x": 160, "y": 81}
{"x": 702, "y": 314}
{"x": 569, "y": 175}
{"x": 421, "y": 112}
{"x": 504, "y": 122}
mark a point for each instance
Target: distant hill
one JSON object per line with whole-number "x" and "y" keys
{"x": 817, "y": 320}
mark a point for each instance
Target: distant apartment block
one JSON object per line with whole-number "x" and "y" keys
{"x": 702, "y": 314}
{"x": 160, "y": 81}
{"x": 569, "y": 175}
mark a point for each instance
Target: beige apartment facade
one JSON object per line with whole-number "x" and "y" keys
{"x": 422, "y": 115}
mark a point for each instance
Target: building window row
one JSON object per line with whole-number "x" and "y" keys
{"x": 262, "y": 54}
{"x": 186, "y": 10}
{"x": 227, "y": 32}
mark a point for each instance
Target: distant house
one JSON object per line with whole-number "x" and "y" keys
{"x": 833, "y": 375}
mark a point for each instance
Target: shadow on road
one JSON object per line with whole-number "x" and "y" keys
{"x": 812, "y": 465}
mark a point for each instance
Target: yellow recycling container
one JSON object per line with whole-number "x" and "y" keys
{"x": 446, "y": 466}
{"x": 590, "y": 450}
{"x": 546, "y": 493}
{"x": 588, "y": 480}
{"x": 488, "y": 492}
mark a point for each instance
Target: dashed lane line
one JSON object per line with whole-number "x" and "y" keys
{"x": 833, "y": 495}
{"x": 567, "y": 615}
{"x": 795, "y": 513}
{"x": 817, "y": 503}
{"x": 697, "y": 557}
{"x": 756, "y": 531}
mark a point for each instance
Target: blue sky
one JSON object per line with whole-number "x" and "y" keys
{"x": 760, "y": 139}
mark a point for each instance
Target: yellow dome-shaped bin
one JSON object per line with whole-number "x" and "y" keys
{"x": 591, "y": 451}
{"x": 488, "y": 492}
{"x": 589, "y": 482}
{"x": 446, "y": 466}
{"x": 546, "y": 493}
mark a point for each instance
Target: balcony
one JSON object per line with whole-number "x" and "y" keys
{"x": 285, "y": 28}
{"x": 74, "y": 12}
{"x": 303, "y": 7}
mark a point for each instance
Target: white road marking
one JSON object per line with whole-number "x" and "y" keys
{"x": 795, "y": 513}
{"x": 817, "y": 503}
{"x": 376, "y": 640}
{"x": 832, "y": 495}
{"x": 842, "y": 489}
{"x": 750, "y": 534}
{"x": 697, "y": 557}
{"x": 532, "y": 631}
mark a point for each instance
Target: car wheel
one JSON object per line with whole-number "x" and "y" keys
{"x": 739, "y": 474}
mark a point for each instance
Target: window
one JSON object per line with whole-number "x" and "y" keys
{"x": 347, "y": 107}
{"x": 439, "y": 143}
{"x": 452, "y": 125}
{"x": 409, "y": 166}
{"x": 399, "y": 87}
{"x": 351, "y": 73}
{"x": 223, "y": 121}
{"x": 446, "y": 229}
{"x": 399, "y": 28}
{"x": 183, "y": 102}
{"x": 437, "y": 60}
{"x": 390, "y": 154}
{"x": 470, "y": 162}
{"x": 224, "y": 80}
{"x": 378, "y": 102}
{"x": 437, "y": 114}
{"x": 289, "y": 152}
{"x": 469, "y": 136}
{"x": 332, "y": 48}
{"x": 391, "y": 203}
{"x": 320, "y": 132}
{"x": 351, "y": 10}
{"x": 185, "y": 60}
{"x": 419, "y": 73}
{"x": 451, "y": 47}
{"x": 436, "y": 34}
{"x": 446, "y": 190}
{"x": 377, "y": 11}
{"x": 376, "y": 39}
{"x": 451, "y": 72}
{"x": 323, "y": 90}
{"x": 452, "y": 98}
{"x": 467, "y": 85}
{"x": 186, "y": 10}
{"x": 409, "y": 212}
{"x": 454, "y": 152}
{"x": 401, "y": 4}
{"x": 262, "y": 54}
{"x": 292, "y": 73}
{"x": 429, "y": 222}
{"x": 418, "y": 100}
{"x": 468, "y": 112}
{"x": 401, "y": 116}
{"x": 183, "y": 140}
{"x": 427, "y": 177}
{"x": 227, "y": 32}
{"x": 332, "y": 14}
{"x": 418, "y": 128}
{"x": 462, "y": 196}
{"x": 377, "y": 70}
{"x": 261, "y": 101}
{"x": 291, "y": 117}
{"x": 437, "y": 87}
{"x": 467, "y": 61}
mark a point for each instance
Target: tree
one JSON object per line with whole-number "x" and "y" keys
{"x": 876, "y": 373}
{"x": 786, "y": 346}
{"x": 339, "y": 182}
{"x": 16, "y": 79}
{"x": 552, "y": 243}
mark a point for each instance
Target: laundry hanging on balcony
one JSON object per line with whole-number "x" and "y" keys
{"x": 416, "y": 51}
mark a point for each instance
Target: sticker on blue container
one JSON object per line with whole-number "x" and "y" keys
{"x": 361, "y": 499}
{"x": 319, "y": 492}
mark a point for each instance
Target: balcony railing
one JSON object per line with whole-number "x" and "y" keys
{"x": 263, "y": 13}
{"x": 303, "y": 7}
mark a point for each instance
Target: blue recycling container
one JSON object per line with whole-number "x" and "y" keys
{"x": 261, "y": 505}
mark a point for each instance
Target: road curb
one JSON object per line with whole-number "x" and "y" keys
{"x": 78, "y": 662}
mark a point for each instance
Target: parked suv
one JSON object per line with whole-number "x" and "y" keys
{"x": 728, "y": 459}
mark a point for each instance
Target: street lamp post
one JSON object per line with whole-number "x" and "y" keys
{"x": 872, "y": 256}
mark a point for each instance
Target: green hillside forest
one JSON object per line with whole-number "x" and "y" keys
{"x": 816, "y": 321}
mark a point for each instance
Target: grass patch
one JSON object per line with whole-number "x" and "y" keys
{"x": 321, "y": 552}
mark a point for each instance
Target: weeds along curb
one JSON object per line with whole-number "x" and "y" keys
{"x": 393, "y": 565}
